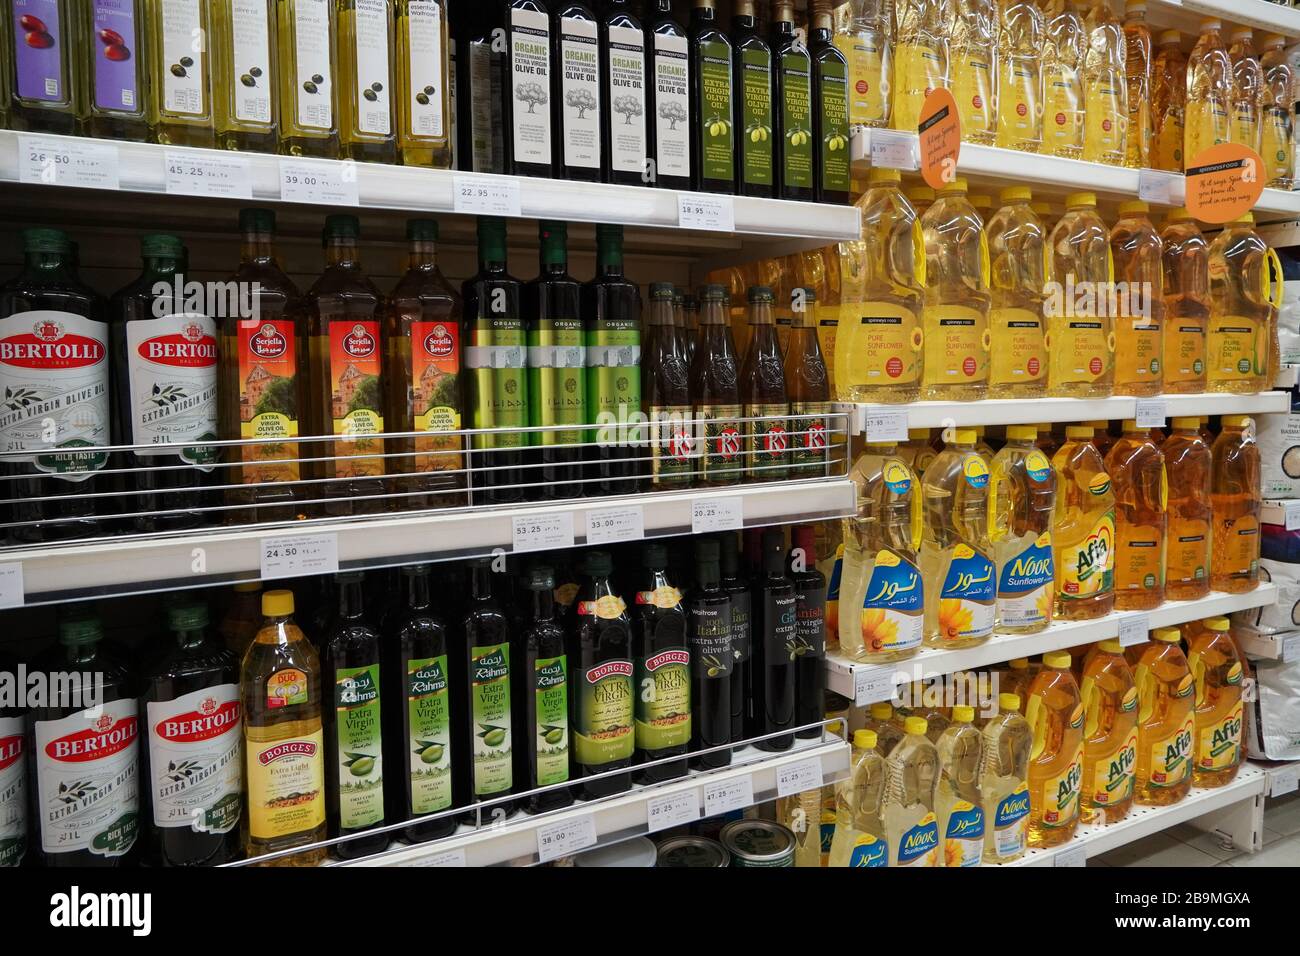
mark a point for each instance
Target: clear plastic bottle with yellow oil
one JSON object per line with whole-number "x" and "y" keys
{"x": 1105, "y": 88}
{"x": 1217, "y": 672}
{"x": 1277, "y": 143}
{"x": 1054, "y": 712}
{"x": 308, "y": 99}
{"x": 1080, "y": 333}
{"x": 955, "y": 319}
{"x": 1022, "y": 32}
{"x": 1022, "y": 489}
{"x": 363, "y": 52}
{"x": 911, "y": 772}
{"x": 866, "y": 42}
{"x": 1018, "y": 271}
{"x": 1166, "y": 724}
{"x": 1063, "y": 87}
{"x": 1109, "y": 734}
{"x": 917, "y": 451}
{"x": 1247, "y": 88}
{"x": 1185, "y": 258}
{"x": 921, "y": 198}
{"x": 859, "y": 803}
{"x": 1015, "y": 677}
{"x": 920, "y": 58}
{"x": 886, "y": 724}
{"x": 1188, "y": 464}
{"x": 1004, "y": 781}
{"x": 423, "y": 78}
{"x": 1136, "y": 251}
{"x": 1084, "y": 530}
{"x": 179, "y": 94}
{"x": 850, "y": 267}
{"x": 958, "y": 805}
{"x": 1235, "y": 500}
{"x": 1243, "y": 309}
{"x": 244, "y": 70}
{"x": 1138, "y": 63}
{"x": 1209, "y": 93}
{"x": 1137, "y": 472}
{"x": 972, "y": 29}
{"x": 1168, "y": 102}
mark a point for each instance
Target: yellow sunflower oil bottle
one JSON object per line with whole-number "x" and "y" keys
{"x": 920, "y": 58}
{"x": 859, "y": 803}
{"x": 1018, "y": 264}
{"x": 1247, "y": 88}
{"x": 1216, "y": 670}
{"x": 1185, "y": 259}
{"x": 1166, "y": 721}
{"x": 1022, "y": 498}
{"x": 865, "y": 42}
{"x": 851, "y": 269}
{"x": 972, "y": 28}
{"x": 1080, "y": 330}
{"x": 955, "y": 319}
{"x": 309, "y": 123}
{"x": 179, "y": 98}
{"x": 1054, "y": 712}
{"x": 1188, "y": 463}
{"x": 1004, "y": 782}
{"x": 1063, "y": 96}
{"x": 887, "y": 726}
{"x": 1110, "y": 736}
{"x": 1243, "y": 309}
{"x": 1138, "y": 63}
{"x": 1105, "y": 88}
{"x": 244, "y": 75}
{"x": 1022, "y": 32}
{"x": 1141, "y": 487}
{"x": 957, "y": 801}
{"x": 879, "y": 351}
{"x": 911, "y": 772}
{"x": 881, "y": 595}
{"x": 1168, "y": 102}
{"x": 1235, "y": 500}
{"x": 1084, "y": 529}
{"x": 1136, "y": 250}
{"x": 1209, "y": 93}
{"x": 956, "y": 556}
{"x": 1276, "y": 146}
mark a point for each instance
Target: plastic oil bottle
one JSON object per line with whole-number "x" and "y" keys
{"x": 911, "y": 772}
{"x": 881, "y": 595}
{"x": 1166, "y": 723}
{"x": 972, "y": 28}
{"x": 1243, "y": 309}
{"x": 920, "y": 58}
{"x": 1022, "y": 32}
{"x": 865, "y": 43}
{"x": 1105, "y": 88}
{"x": 1015, "y": 678}
{"x": 1247, "y": 88}
{"x": 1004, "y": 782}
{"x": 1209, "y": 93}
{"x": 958, "y": 805}
{"x": 1063, "y": 97}
{"x": 1084, "y": 529}
{"x": 956, "y": 314}
{"x": 1110, "y": 736}
{"x": 1235, "y": 501}
{"x": 1217, "y": 673}
{"x": 859, "y": 800}
{"x": 1138, "y": 63}
{"x": 1168, "y": 102}
{"x": 886, "y": 724}
{"x": 1185, "y": 257}
{"x": 1022, "y": 493}
{"x": 1081, "y": 337}
{"x": 1276, "y": 146}
{"x": 1055, "y": 715}
{"x": 1018, "y": 264}
{"x": 879, "y": 351}
{"x": 956, "y": 556}
{"x": 1189, "y": 514}
{"x": 1136, "y": 251}
{"x": 1141, "y": 487}
{"x": 917, "y": 451}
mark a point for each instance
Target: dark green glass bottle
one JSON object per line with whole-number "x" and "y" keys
{"x": 830, "y": 112}
{"x": 544, "y": 686}
{"x": 713, "y": 134}
{"x": 792, "y": 107}
{"x": 775, "y": 646}
{"x": 713, "y": 658}
{"x": 754, "y": 129}
{"x": 663, "y": 670}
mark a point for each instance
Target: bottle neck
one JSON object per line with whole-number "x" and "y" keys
{"x": 553, "y": 258}
{"x": 760, "y": 313}
{"x": 417, "y": 592}
{"x": 257, "y": 248}
{"x": 423, "y": 255}
{"x": 350, "y": 600}
{"x": 491, "y": 257}
{"x": 806, "y": 318}
{"x": 48, "y": 262}
{"x": 708, "y": 575}
{"x": 662, "y": 313}
{"x": 712, "y": 314}
{"x": 190, "y": 639}
{"x": 480, "y": 583}
{"x": 163, "y": 265}
{"x": 704, "y": 12}
{"x": 82, "y": 653}
{"x": 342, "y": 253}
{"x": 609, "y": 259}
{"x": 543, "y": 605}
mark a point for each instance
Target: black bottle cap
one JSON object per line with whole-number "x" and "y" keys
{"x": 598, "y": 564}
{"x": 654, "y": 556}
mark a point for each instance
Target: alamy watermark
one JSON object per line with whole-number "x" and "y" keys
{"x": 217, "y": 300}
{"x": 1086, "y": 299}
{"x": 23, "y": 689}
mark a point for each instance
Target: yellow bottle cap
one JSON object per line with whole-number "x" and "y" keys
{"x": 1041, "y": 208}
{"x": 916, "y": 725}
{"x": 1241, "y": 33}
{"x": 1170, "y": 36}
{"x": 1211, "y": 23}
{"x": 1017, "y": 194}
{"x": 1057, "y": 659}
{"x": 1022, "y": 432}
{"x": 1098, "y": 423}
{"x": 1235, "y": 421}
{"x": 1187, "y": 421}
{"x": 1131, "y": 425}
{"x": 1217, "y": 624}
{"x": 1112, "y": 646}
{"x": 964, "y": 436}
{"x": 882, "y": 710}
{"x": 981, "y": 201}
{"x": 879, "y": 175}
{"x": 1167, "y": 635}
{"x": 1178, "y": 214}
{"x": 864, "y": 739}
{"x": 1019, "y": 663}
{"x": 277, "y": 603}
{"x": 1134, "y": 207}
{"x": 1078, "y": 431}
{"x": 919, "y": 193}
{"x": 1246, "y": 218}
{"x": 958, "y": 185}
{"x": 1081, "y": 199}
{"x": 918, "y": 434}
{"x": 243, "y": 587}
{"x": 1008, "y": 702}
{"x": 963, "y": 714}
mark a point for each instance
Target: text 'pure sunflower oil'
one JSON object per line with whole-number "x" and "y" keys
{"x": 1189, "y": 513}
{"x": 1185, "y": 257}
{"x": 957, "y": 801}
{"x": 1141, "y": 488}
{"x": 1022, "y": 496}
{"x": 956, "y": 314}
{"x": 1110, "y": 736}
{"x": 1080, "y": 336}
{"x": 1166, "y": 725}
{"x": 1004, "y": 782}
{"x": 1022, "y": 32}
{"x": 1243, "y": 309}
{"x": 1136, "y": 252}
{"x": 859, "y": 801}
{"x": 1055, "y": 715}
{"x": 1235, "y": 502}
{"x": 1084, "y": 545}
{"x": 1217, "y": 673}
{"x": 911, "y": 770}
{"x": 1018, "y": 270}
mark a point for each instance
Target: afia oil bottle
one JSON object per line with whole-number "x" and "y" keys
{"x": 1217, "y": 673}
{"x": 1189, "y": 514}
{"x": 1084, "y": 529}
{"x": 1235, "y": 500}
{"x": 1109, "y": 734}
{"x": 1141, "y": 487}
{"x": 1166, "y": 722}
{"x": 1054, "y": 712}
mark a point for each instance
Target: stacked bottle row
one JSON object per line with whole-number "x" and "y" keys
{"x": 977, "y": 545}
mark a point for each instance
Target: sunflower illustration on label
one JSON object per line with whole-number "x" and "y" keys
{"x": 966, "y": 601}
{"x": 1087, "y": 566}
{"x": 1026, "y": 584}
{"x": 893, "y": 606}
{"x": 897, "y": 477}
{"x": 963, "y": 837}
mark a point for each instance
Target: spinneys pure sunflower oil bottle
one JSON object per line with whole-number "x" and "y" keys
{"x": 1105, "y": 88}
{"x": 1063, "y": 60}
{"x": 1021, "y": 34}
{"x": 957, "y": 800}
{"x": 1004, "y": 782}
{"x": 1109, "y": 734}
{"x": 1247, "y": 88}
{"x": 1084, "y": 546}
{"x": 859, "y": 801}
{"x": 1235, "y": 499}
{"x": 911, "y": 771}
{"x": 1137, "y": 74}
{"x": 1166, "y": 724}
{"x": 1137, "y": 470}
{"x": 1055, "y": 715}
{"x": 1243, "y": 309}
{"x": 1168, "y": 102}
{"x": 920, "y": 58}
{"x": 972, "y": 65}
{"x": 1276, "y": 146}
{"x": 1217, "y": 673}
{"x": 1139, "y": 320}
{"x": 1185, "y": 257}
{"x": 1209, "y": 93}
{"x": 956, "y": 313}
{"x": 1018, "y": 270}
{"x": 1189, "y": 514}
{"x": 1080, "y": 337}
{"x": 865, "y": 42}
{"x": 1022, "y": 492}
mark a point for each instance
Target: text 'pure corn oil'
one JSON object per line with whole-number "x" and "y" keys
{"x": 1141, "y": 488}
{"x": 1004, "y": 782}
{"x": 1022, "y": 499}
{"x": 956, "y": 314}
{"x": 1018, "y": 271}
{"x": 1189, "y": 513}
{"x": 957, "y": 801}
{"x": 1165, "y": 721}
{"x": 1235, "y": 502}
{"x": 1217, "y": 672}
{"x": 1109, "y": 734}
{"x": 859, "y": 838}
{"x": 1080, "y": 336}
{"x": 1055, "y": 715}
{"x": 1084, "y": 544}
{"x": 911, "y": 827}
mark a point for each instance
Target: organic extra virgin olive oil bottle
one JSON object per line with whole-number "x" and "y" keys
{"x": 665, "y": 388}
{"x": 309, "y": 123}
{"x": 711, "y": 637}
{"x": 752, "y": 85}
{"x": 363, "y": 54}
{"x": 713, "y": 154}
{"x": 544, "y": 693}
{"x": 830, "y": 111}
{"x": 663, "y": 670}
{"x": 40, "y": 94}
{"x": 165, "y": 351}
{"x": 625, "y": 121}
{"x": 344, "y": 311}
{"x": 792, "y": 106}
{"x": 528, "y": 88}
{"x": 192, "y": 715}
{"x": 489, "y": 745}
{"x": 669, "y": 106}
{"x": 110, "y": 70}
{"x": 602, "y": 702}
{"x": 284, "y": 743}
{"x": 424, "y": 104}
{"x": 580, "y": 102}
{"x": 244, "y": 94}
{"x": 179, "y": 94}
{"x": 54, "y": 366}
{"x": 715, "y": 389}
{"x": 354, "y": 765}
{"x": 776, "y": 642}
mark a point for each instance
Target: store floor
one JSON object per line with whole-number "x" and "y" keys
{"x": 1184, "y": 845}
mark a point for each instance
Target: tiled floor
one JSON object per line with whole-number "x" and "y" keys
{"x": 1184, "y": 845}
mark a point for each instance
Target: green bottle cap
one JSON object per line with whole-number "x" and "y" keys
{"x": 662, "y": 291}
{"x": 257, "y": 220}
{"x": 809, "y": 295}
{"x": 541, "y": 577}
{"x": 713, "y": 293}
{"x": 707, "y": 550}
{"x": 760, "y": 293}
{"x": 341, "y": 227}
{"x": 161, "y": 246}
{"x": 46, "y": 240}
{"x": 654, "y": 556}
{"x": 188, "y": 617}
{"x": 492, "y": 238}
{"x": 609, "y": 232}
{"x": 80, "y": 630}
{"x": 598, "y": 564}
{"x": 552, "y": 235}
{"x": 422, "y": 230}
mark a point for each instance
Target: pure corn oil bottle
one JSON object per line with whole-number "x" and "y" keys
{"x": 956, "y": 555}
{"x": 1166, "y": 722}
{"x": 1138, "y": 63}
{"x": 958, "y": 805}
{"x": 1084, "y": 529}
{"x": 879, "y": 351}
{"x": 881, "y": 594}
{"x": 1080, "y": 331}
{"x": 1022, "y": 501}
{"x": 887, "y": 726}
{"x": 1105, "y": 88}
{"x": 309, "y": 123}
{"x": 1243, "y": 309}
{"x": 972, "y": 30}
{"x": 911, "y": 772}
{"x": 1168, "y": 102}
{"x": 1235, "y": 501}
{"x": 179, "y": 97}
{"x": 244, "y": 99}
{"x": 1137, "y": 252}
{"x": 1110, "y": 738}
{"x": 1022, "y": 32}
{"x": 920, "y": 58}
{"x": 1054, "y": 712}
{"x": 859, "y": 804}
{"x": 956, "y": 312}
{"x": 1247, "y": 88}
{"x": 1137, "y": 470}
{"x": 1063, "y": 94}
{"x": 1004, "y": 781}
{"x": 1217, "y": 673}
{"x": 865, "y": 42}
{"x": 1276, "y": 146}
{"x": 1185, "y": 260}
{"x": 1018, "y": 271}
{"x": 1188, "y": 463}
{"x": 1209, "y": 93}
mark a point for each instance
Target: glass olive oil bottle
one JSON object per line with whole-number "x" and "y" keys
{"x": 309, "y": 124}
{"x": 244, "y": 93}
{"x": 662, "y": 659}
{"x": 489, "y": 669}
{"x": 481, "y": 77}
{"x": 111, "y": 71}
{"x": 179, "y": 102}
{"x": 624, "y": 122}
{"x": 792, "y": 130}
{"x": 808, "y": 387}
{"x": 713, "y": 664}
{"x": 752, "y": 93}
{"x": 41, "y": 40}
{"x": 529, "y": 89}
{"x": 830, "y": 112}
{"x": 544, "y": 689}
{"x": 363, "y": 54}
{"x": 762, "y": 390}
{"x": 736, "y": 587}
{"x": 713, "y": 154}
{"x": 775, "y": 646}
{"x": 580, "y": 101}
{"x": 423, "y": 95}
{"x": 715, "y": 389}
{"x": 668, "y": 107}
{"x": 810, "y": 629}
{"x": 665, "y": 388}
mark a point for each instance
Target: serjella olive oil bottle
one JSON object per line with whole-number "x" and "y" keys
{"x": 243, "y": 74}
{"x": 179, "y": 103}
{"x": 423, "y": 104}
{"x": 305, "y": 41}
{"x": 363, "y": 53}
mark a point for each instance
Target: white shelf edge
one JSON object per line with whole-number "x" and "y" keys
{"x": 1257, "y": 14}
{"x": 1283, "y": 777}
{"x": 1281, "y": 647}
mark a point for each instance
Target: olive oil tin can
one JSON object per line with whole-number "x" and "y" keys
{"x": 758, "y": 843}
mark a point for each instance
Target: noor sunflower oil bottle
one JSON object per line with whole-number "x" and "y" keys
{"x": 1022, "y": 500}
{"x": 1109, "y": 734}
{"x": 911, "y": 771}
{"x": 1141, "y": 487}
{"x": 1004, "y": 782}
{"x": 1217, "y": 673}
{"x": 1080, "y": 336}
{"x": 957, "y": 799}
{"x": 1019, "y": 267}
{"x": 1166, "y": 723}
{"x": 1084, "y": 545}
{"x": 859, "y": 838}
{"x": 1055, "y": 715}
{"x": 1235, "y": 500}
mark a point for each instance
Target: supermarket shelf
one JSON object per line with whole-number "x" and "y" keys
{"x": 867, "y": 683}
{"x": 1274, "y": 511}
{"x": 621, "y": 817}
{"x": 1091, "y": 840}
{"x": 1258, "y": 14}
{"x": 1281, "y": 647}
{"x": 130, "y": 565}
{"x": 1283, "y": 776}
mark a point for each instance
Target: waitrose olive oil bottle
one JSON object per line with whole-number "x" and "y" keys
{"x": 179, "y": 100}
{"x": 306, "y": 65}
{"x": 364, "y": 56}
{"x": 244, "y": 94}
{"x": 41, "y": 38}
{"x": 423, "y": 93}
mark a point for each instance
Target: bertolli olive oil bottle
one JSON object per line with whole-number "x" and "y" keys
{"x": 363, "y": 53}
{"x": 179, "y": 99}
{"x": 423, "y": 97}
{"x": 305, "y": 39}
{"x": 243, "y": 74}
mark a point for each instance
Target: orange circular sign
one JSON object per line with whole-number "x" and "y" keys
{"x": 939, "y": 131}
{"x": 1223, "y": 182}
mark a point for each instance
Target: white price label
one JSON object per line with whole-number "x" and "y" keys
{"x": 1284, "y": 781}
{"x": 1150, "y": 413}
{"x": 609, "y": 525}
{"x": 798, "y": 777}
{"x": 872, "y": 685}
{"x": 706, "y": 211}
{"x": 323, "y": 182}
{"x": 55, "y": 161}
{"x": 1073, "y": 855}
{"x": 445, "y": 858}
{"x": 197, "y": 174}
{"x": 728, "y": 795}
{"x": 672, "y": 809}
{"x": 893, "y": 149}
{"x": 486, "y": 195}
{"x": 1292, "y": 515}
{"x": 294, "y": 555}
{"x": 1161, "y": 188}
{"x": 11, "y": 585}
{"x": 1133, "y": 629}
{"x": 1290, "y": 649}
{"x": 717, "y": 514}
{"x": 542, "y": 532}
{"x": 885, "y": 425}
{"x": 565, "y": 837}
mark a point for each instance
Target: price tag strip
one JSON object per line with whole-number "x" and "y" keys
{"x": 11, "y": 585}
{"x": 885, "y": 425}
{"x": 295, "y": 555}
{"x": 1150, "y": 413}
{"x": 717, "y": 514}
{"x": 565, "y": 837}
{"x": 1071, "y": 855}
{"x": 445, "y": 858}
{"x": 323, "y": 182}
{"x": 672, "y": 809}
{"x": 728, "y": 795}
{"x": 486, "y": 195}
{"x": 542, "y": 532}
{"x": 706, "y": 211}
{"x": 872, "y": 685}
{"x": 610, "y": 525}
{"x": 1133, "y": 629}
{"x": 197, "y": 174}
{"x": 798, "y": 777}
{"x": 60, "y": 161}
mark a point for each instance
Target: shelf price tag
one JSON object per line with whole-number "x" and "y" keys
{"x": 1160, "y": 187}
{"x": 542, "y": 532}
{"x": 11, "y": 585}
{"x": 798, "y": 777}
{"x": 893, "y": 149}
{"x": 717, "y": 514}
{"x": 1290, "y": 649}
{"x": 609, "y": 525}
{"x": 445, "y": 858}
{"x": 1283, "y": 781}
{"x": 1133, "y": 629}
{"x": 672, "y": 809}
{"x": 1150, "y": 413}
{"x": 58, "y": 161}
{"x": 706, "y": 211}
{"x": 727, "y": 795}
{"x": 885, "y": 425}
{"x": 564, "y": 837}
{"x": 196, "y": 174}
{"x": 486, "y": 195}
{"x": 1073, "y": 855}
{"x": 1292, "y": 515}
{"x": 323, "y": 182}
{"x": 294, "y": 555}
{"x": 872, "y": 685}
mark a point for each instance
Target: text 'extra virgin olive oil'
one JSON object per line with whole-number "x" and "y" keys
{"x": 715, "y": 388}
{"x": 363, "y": 47}
{"x": 714, "y": 662}
{"x": 489, "y": 662}
{"x": 830, "y": 112}
{"x": 529, "y": 89}
{"x": 625, "y": 121}
{"x": 580, "y": 101}
{"x": 179, "y": 102}
{"x": 662, "y": 659}
{"x": 495, "y": 362}
{"x": 544, "y": 698}
{"x": 792, "y": 106}
{"x": 41, "y": 95}
{"x": 481, "y": 76}
{"x": 754, "y": 126}
{"x": 423, "y": 94}
{"x": 713, "y": 154}
{"x": 244, "y": 95}
{"x": 735, "y": 585}
{"x": 309, "y": 124}
{"x": 776, "y": 642}
{"x": 192, "y": 713}
{"x": 762, "y": 390}
{"x": 111, "y": 70}
{"x": 665, "y": 389}
{"x": 810, "y": 629}
{"x": 668, "y": 108}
